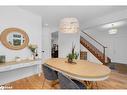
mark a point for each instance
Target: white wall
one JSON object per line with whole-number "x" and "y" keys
{"x": 46, "y": 42}
{"x": 65, "y": 43}
{"x": 30, "y": 23}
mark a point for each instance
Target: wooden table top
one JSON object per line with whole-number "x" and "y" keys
{"x": 82, "y": 68}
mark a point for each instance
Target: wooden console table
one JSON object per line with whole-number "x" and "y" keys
{"x": 12, "y": 71}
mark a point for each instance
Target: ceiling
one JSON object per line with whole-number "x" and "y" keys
{"x": 103, "y": 30}
{"x": 118, "y": 24}
{"x": 52, "y": 15}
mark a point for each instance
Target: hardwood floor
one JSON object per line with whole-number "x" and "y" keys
{"x": 115, "y": 81}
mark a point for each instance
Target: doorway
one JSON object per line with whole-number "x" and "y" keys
{"x": 54, "y": 46}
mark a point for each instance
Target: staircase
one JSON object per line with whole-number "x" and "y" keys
{"x": 96, "y": 52}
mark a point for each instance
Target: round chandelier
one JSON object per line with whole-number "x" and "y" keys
{"x": 69, "y": 25}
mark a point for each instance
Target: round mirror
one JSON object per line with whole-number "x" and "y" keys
{"x": 14, "y": 38}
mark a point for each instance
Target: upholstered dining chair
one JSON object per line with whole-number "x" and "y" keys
{"x": 50, "y": 75}
{"x": 67, "y": 83}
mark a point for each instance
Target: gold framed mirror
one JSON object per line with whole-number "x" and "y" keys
{"x": 14, "y": 38}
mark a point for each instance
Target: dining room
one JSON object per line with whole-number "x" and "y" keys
{"x": 81, "y": 55}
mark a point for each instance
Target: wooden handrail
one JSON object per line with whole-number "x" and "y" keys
{"x": 96, "y": 42}
{"x": 93, "y": 39}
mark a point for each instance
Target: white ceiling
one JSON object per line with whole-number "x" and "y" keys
{"x": 53, "y": 14}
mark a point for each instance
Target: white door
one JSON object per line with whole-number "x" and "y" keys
{"x": 46, "y": 43}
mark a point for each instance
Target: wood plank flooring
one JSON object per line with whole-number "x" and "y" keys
{"x": 115, "y": 81}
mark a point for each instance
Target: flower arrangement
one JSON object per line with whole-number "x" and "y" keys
{"x": 73, "y": 55}
{"x": 33, "y": 49}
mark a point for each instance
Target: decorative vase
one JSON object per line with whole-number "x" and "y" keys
{"x": 70, "y": 60}
{"x": 2, "y": 59}
{"x": 33, "y": 56}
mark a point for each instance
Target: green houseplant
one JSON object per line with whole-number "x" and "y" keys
{"x": 73, "y": 55}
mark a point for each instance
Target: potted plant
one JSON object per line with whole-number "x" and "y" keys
{"x": 73, "y": 55}
{"x": 33, "y": 49}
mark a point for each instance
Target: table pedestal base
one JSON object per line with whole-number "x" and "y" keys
{"x": 91, "y": 84}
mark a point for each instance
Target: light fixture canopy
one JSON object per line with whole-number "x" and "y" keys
{"x": 69, "y": 25}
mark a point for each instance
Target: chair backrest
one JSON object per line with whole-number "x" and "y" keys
{"x": 49, "y": 73}
{"x": 66, "y": 83}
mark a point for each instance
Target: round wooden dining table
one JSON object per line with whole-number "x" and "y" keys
{"x": 80, "y": 69}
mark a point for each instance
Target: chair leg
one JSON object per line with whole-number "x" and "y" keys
{"x": 56, "y": 82}
{"x": 53, "y": 83}
{"x": 43, "y": 83}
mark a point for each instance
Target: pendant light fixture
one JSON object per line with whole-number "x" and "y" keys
{"x": 113, "y": 30}
{"x": 69, "y": 25}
